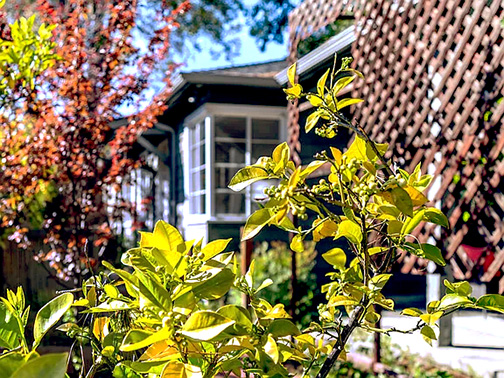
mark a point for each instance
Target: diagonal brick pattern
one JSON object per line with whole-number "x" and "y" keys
{"x": 433, "y": 89}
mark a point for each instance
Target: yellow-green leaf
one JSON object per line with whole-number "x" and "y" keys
{"x": 206, "y": 325}
{"x": 349, "y": 230}
{"x": 335, "y": 257}
{"x": 312, "y": 167}
{"x": 347, "y": 102}
{"x": 165, "y": 237}
{"x": 428, "y": 334}
{"x": 294, "y": 91}
{"x": 271, "y": 349}
{"x": 49, "y": 315}
{"x": 214, "y": 248}
{"x": 412, "y": 311}
{"x": 291, "y": 74}
{"x": 256, "y": 222}
{"x": 436, "y": 216}
{"x": 402, "y": 200}
{"x": 342, "y": 83}
{"x": 52, "y": 365}
{"x": 138, "y": 338}
{"x": 247, "y": 176}
{"x": 493, "y": 302}
{"x": 296, "y": 243}
{"x": 321, "y": 83}
{"x": 311, "y": 121}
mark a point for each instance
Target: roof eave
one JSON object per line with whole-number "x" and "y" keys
{"x": 320, "y": 54}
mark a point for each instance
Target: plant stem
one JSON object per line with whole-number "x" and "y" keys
{"x": 353, "y": 323}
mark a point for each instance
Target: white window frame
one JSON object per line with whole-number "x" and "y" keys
{"x": 206, "y": 114}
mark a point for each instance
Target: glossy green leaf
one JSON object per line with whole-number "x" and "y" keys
{"x": 412, "y": 311}
{"x": 430, "y": 252}
{"x": 347, "y": 102}
{"x": 311, "y": 121}
{"x": 49, "y": 315}
{"x": 10, "y": 331}
{"x": 283, "y": 328}
{"x": 206, "y": 325}
{"x": 215, "y": 287}
{"x": 463, "y": 288}
{"x": 46, "y": 366}
{"x": 428, "y": 334}
{"x": 214, "y": 248}
{"x": 336, "y": 257}
{"x": 493, "y": 302}
{"x": 297, "y": 244}
{"x": 247, "y": 176}
{"x": 10, "y": 362}
{"x": 256, "y": 222}
{"x": 410, "y": 225}
{"x": 237, "y": 313}
{"x": 450, "y": 301}
{"x": 349, "y": 230}
{"x": 402, "y": 200}
{"x": 137, "y": 339}
{"x": 436, "y": 216}
{"x": 322, "y": 82}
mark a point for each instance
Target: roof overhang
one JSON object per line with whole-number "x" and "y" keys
{"x": 206, "y": 78}
{"x": 321, "y": 54}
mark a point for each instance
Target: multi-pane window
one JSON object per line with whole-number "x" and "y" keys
{"x": 197, "y": 169}
{"x": 228, "y": 141}
{"x": 239, "y": 141}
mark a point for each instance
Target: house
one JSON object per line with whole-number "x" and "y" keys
{"x": 218, "y": 122}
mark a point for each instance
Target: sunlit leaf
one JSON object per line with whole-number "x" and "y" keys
{"x": 335, "y": 257}
{"x": 247, "y": 176}
{"x": 206, "y": 325}
{"x": 49, "y": 315}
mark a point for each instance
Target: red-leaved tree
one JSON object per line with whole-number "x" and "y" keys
{"x": 60, "y": 156}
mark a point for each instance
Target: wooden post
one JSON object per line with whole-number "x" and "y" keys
{"x": 246, "y": 247}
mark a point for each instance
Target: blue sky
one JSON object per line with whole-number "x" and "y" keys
{"x": 248, "y": 53}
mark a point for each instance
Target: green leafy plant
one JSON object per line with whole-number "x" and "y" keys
{"x": 154, "y": 320}
{"x": 21, "y": 358}
{"x": 24, "y": 57}
{"x": 380, "y": 208}
{"x": 274, "y": 260}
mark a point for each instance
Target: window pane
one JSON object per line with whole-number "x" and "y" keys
{"x": 198, "y": 181}
{"x": 232, "y": 203}
{"x": 265, "y": 129}
{"x": 230, "y": 127}
{"x": 259, "y": 150}
{"x": 223, "y": 176}
{"x": 197, "y": 204}
{"x": 230, "y": 153}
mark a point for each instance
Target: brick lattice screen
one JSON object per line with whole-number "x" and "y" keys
{"x": 434, "y": 80}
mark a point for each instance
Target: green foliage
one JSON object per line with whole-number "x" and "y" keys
{"x": 26, "y": 56}
{"x": 383, "y": 207}
{"x": 156, "y": 308}
{"x": 273, "y": 260}
{"x": 19, "y": 361}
